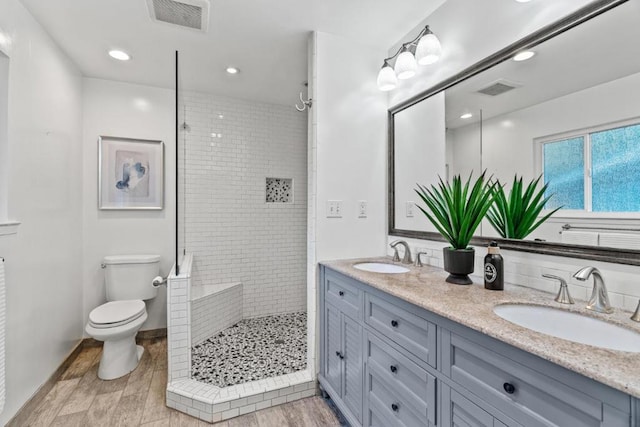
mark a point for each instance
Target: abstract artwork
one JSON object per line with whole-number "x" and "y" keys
{"x": 131, "y": 173}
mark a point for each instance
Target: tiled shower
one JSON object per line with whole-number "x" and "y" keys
{"x": 242, "y": 174}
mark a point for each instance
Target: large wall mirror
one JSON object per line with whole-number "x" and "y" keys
{"x": 570, "y": 114}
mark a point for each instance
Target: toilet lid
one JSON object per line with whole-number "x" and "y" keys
{"x": 116, "y": 313}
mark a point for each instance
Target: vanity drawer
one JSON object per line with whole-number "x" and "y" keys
{"x": 388, "y": 405}
{"x": 408, "y": 330}
{"x": 416, "y": 386}
{"x": 343, "y": 294}
{"x": 528, "y": 396}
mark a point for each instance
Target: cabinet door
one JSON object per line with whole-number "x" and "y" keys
{"x": 458, "y": 411}
{"x": 352, "y": 386}
{"x": 333, "y": 348}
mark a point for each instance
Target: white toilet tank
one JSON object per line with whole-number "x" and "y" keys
{"x": 130, "y": 276}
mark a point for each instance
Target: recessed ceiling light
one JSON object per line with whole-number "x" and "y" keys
{"x": 523, "y": 56}
{"x": 466, "y": 116}
{"x": 232, "y": 70}
{"x": 119, "y": 55}
{"x": 523, "y": 1}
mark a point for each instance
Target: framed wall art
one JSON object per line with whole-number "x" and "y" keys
{"x": 130, "y": 173}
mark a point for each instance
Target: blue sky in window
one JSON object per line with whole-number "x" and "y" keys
{"x": 615, "y": 159}
{"x": 564, "y": 172}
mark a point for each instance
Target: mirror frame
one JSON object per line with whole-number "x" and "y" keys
{"x": 613, "y": 255}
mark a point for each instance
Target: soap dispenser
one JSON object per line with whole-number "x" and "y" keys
{"x": 493, "y": 268}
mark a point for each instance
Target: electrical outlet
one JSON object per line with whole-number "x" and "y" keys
{"x": 409, "y": 208}
{"x": 362, "y": 209}
{"x": 334, "y": 208}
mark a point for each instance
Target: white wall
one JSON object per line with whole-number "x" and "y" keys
{"x": 133, "y": 111}
{"x": 44, "y": 280}
{"x": 351, "y": 143}
{"x": 472, "y": 30}
{"x": 234, "y": 234}
{"x": 419, "y": 147}
{"x": 4, "y": 143}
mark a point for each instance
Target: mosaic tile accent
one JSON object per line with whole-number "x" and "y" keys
{"x": 279, "y": 190}
{"x": 251, "y": 350}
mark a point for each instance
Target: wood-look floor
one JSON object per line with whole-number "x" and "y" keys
{"x": 80, "y": 399}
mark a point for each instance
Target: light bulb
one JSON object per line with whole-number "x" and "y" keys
{"x": 387, "y": 79}
{"x": 524, "y": 55}
{"x": 429, "y": 49}
{"x": 119, "y": 55}
{"x": 406, "y": 65}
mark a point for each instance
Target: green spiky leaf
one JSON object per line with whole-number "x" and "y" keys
{"x": 456, "y": 209}
{"x": 517, "y": 216}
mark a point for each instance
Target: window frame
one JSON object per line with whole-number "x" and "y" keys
{"x": 585, "y": 133}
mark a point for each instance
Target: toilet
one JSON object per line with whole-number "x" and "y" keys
{"x": 128, "y": 281}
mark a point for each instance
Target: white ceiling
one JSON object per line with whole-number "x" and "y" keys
{"x": 603, "y": 49}
{"x": 267, "y": 40}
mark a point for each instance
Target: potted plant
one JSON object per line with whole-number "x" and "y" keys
{"x": 516, "y": 216}
{"x": 456, "y": 210}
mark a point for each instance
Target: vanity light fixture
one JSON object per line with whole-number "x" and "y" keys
{"x": 425, "y": 49}
{"x": 119, "y": 55}
{"x": 466, "y": 116}
{"x": 406, "y": 64}
{"x": 233, "y": 70}
{"x": 387, "y": 79}
{"x": 524, "y": 55}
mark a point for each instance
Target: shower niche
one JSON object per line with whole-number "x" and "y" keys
{"x": 279, "y": 190}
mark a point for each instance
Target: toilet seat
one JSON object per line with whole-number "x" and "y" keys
{"x": 116, "y": 313}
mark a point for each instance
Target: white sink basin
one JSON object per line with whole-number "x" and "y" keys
{"x": 571, "y": 326}
{"x": 381, "y": 267}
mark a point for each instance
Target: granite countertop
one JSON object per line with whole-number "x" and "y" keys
{"x": 472, "y": 306}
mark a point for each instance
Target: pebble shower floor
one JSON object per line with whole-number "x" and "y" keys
{"x": 251, "y": 350}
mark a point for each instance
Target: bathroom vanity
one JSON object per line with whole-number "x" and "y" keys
{"x": 411, "y": 350}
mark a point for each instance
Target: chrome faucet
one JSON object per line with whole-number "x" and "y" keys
{"x": 407, "y": 252}
{"x": 599, "y": 300}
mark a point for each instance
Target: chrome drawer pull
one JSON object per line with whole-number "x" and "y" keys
{"x": 393, "y": 368}
{"x": 395, "y": 407}
{"x": 509, "y": 388}
{"x": 339, "y": 355}
{"x": 341, "y": 293}
{"x": 394, "y": 323}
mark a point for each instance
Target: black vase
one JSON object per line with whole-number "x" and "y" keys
{"x": 459, "y": 264}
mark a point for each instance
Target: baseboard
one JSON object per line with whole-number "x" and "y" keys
{"x": 20, "y": 418}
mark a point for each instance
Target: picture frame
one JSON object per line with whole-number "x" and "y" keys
{"x": 130, "y": 174}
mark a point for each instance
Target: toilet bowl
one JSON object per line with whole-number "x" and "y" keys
{"x": 117, "y": 323}
{"x": 128, "y": 284}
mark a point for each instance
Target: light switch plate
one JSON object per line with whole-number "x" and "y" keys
{"x": 409, "y": 207}
{"x": 362, "y": 208}
{"x": 334, "y": 208}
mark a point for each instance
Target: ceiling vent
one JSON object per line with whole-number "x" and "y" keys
{"x": 193, "y": 14}
{"x": 499, "y": 87}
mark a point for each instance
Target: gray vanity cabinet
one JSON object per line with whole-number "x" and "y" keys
{"x": 398, "y": 391}
{"x": 388, "y": 363}
{"x": 458, "y": 411}
{"x": 342, "y": 362}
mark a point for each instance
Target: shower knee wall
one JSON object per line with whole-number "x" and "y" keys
{"x": 216, "y": 308}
